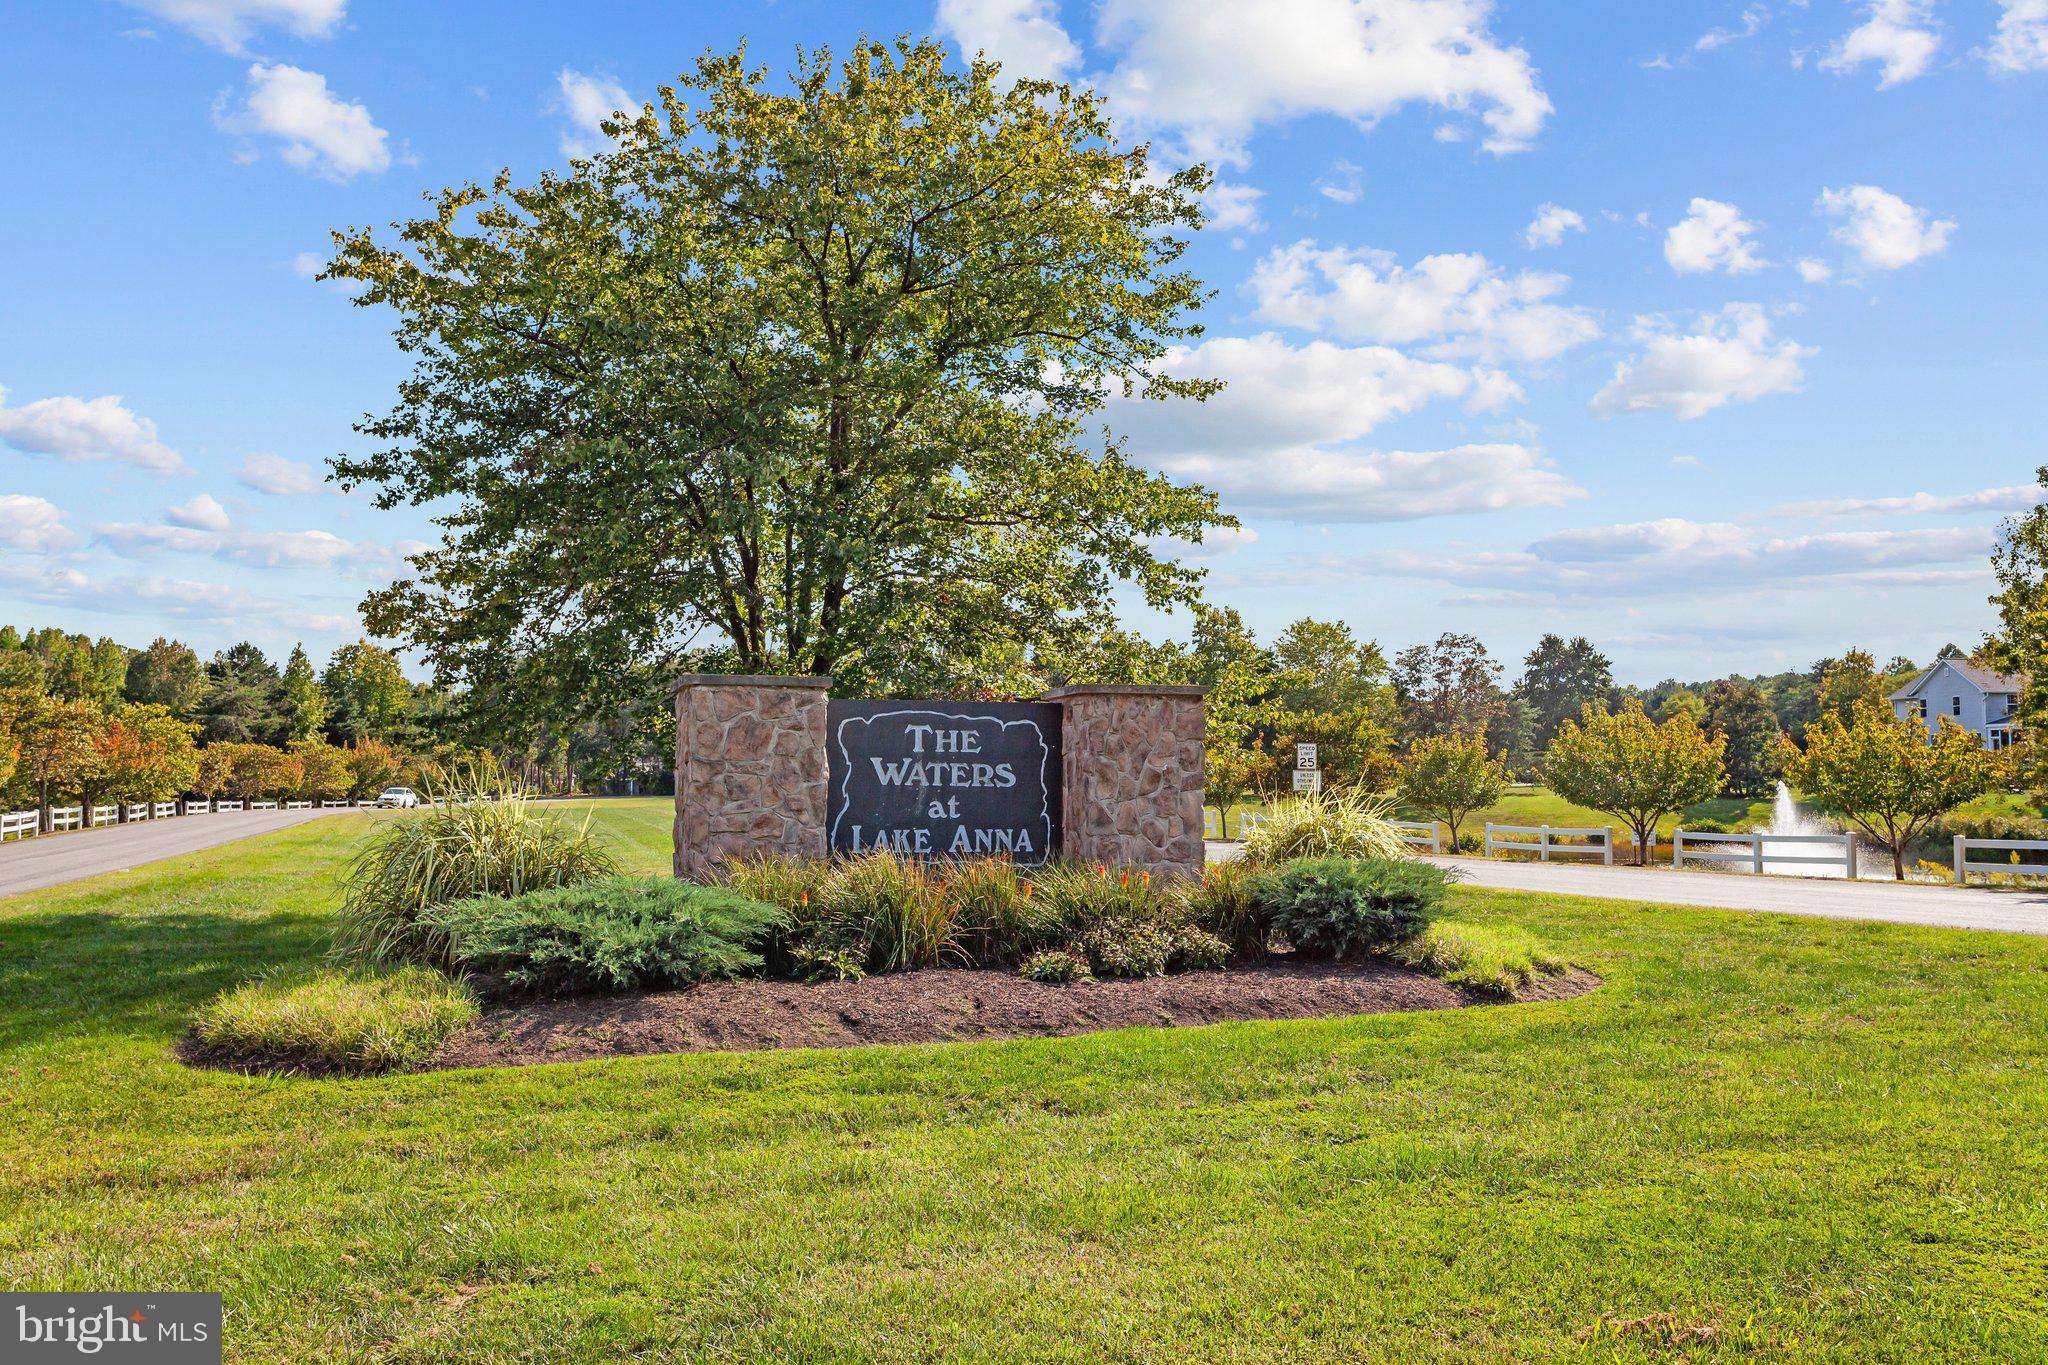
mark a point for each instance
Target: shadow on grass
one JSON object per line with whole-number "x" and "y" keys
{"x": 106, "y": 973}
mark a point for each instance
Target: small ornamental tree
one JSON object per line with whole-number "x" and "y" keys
{"x": 54, "y": 742}
{"x": 324, "y": 772}
{"x": 254, "y": 771}
{"x": 1754, "y": 752}
{"x": 373, "y": 765}
{"x": 147, "y": 754}
{"x": 1634, "y": 769}
{"x": 1884, "y": 775}
{"x": 1447, "y": 777}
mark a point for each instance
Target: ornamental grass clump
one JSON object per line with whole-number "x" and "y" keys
{"x": 1078, "y": 896}
{"x": 997, "y": 913}
{"x": 487, "y": 842}
{"x": 612, "y": 934}
{"x": 1338, "y": 824}
{"x": 891, "y": 908}
{"x": 1224, "y": 904}
{"x": 1346, "y": 908}
{"x": 351, "y": 1020}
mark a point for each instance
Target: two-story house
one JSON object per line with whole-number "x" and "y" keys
{"x": 1976, "y": 698}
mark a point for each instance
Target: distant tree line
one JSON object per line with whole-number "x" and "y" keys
{"x": 94, "y": 721}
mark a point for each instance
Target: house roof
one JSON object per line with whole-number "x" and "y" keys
{"x": 1984, "y": 679}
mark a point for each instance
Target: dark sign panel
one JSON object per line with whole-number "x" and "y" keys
{"x": 936, "y": 779}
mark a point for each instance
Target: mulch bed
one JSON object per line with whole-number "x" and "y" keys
{"x": 947, "y": 1006}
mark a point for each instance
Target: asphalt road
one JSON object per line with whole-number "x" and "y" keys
{"x": 1940, "y": 906}
{"x": 32, "y": 864}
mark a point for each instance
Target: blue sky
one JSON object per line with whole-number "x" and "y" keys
{"x": 1712, "y": 331}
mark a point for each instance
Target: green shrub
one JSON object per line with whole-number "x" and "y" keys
{"x": 613, "y": 934}
{"x": 1223, "y": 904}
{"x": 1469, "y": 842}
{"x": 427, "y": 857}
{"x": 1055, "y": 967}
{"x": 1340, "y": 824}
{"x": 352, "y": 1019}
{"x": 1343, "y": 907}
{"x": 1197, "y": 950}
{"x": 1705, "y": 827}
{"x": 1494, "y": 957}
{"x": 1128, "y": 948}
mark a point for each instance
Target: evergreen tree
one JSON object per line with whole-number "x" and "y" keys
{"x": 243, "y": 700}
{"x": 303, "y": 700}
{"x": 1560, "y": 679}
{"x": 1752, "y": 752}
{"x": 367, "y": 694}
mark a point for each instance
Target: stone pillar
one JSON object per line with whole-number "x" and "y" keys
{"x": 1133, "y": 776}
{"x": 750, "y": 768}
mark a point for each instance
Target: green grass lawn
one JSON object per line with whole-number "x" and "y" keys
{"x": 1762, "y": 1138}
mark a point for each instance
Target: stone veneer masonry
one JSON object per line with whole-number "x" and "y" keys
{"x": 1133, "y": 783}
{"x": 750, "y": 768}
{"x": 751, "y": 772}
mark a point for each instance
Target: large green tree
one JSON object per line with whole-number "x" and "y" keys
{"x": 1560, "y": 678}
{"x": 2020, "y": 644}
{"x": 167, "y": 674}
{"x": 303, "y": 700}
{"x": 808, "y": 367}
{"x": 1752, "y": 752}
{"x": 1447, "y": 687}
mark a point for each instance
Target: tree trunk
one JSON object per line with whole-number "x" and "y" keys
{"x": 1899, "y": 862}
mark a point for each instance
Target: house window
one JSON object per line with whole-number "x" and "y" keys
{"x": 1955, "y": 706}
{"x": 1917, "y": 708}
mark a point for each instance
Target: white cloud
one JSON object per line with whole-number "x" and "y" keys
{"x": 229, "y": 24}
{"x": 1309, "y": 484}
{"x": 1712, "y": 236}
{"x": 1685, "y": 462}
{"x": 2021, "y": 43}
{"x": 1732, "y": 357}
{"x": 1883, "y": 229}
{"x": 1550, "y": 225}
{"x": 1233, "y": 207}
{"x": 1899, "y": 35}
{"x": 320, "y": 132}
{"x": 1754, "y": 17}
{"x": 32, "y": 525}
{"x": 152, "y": 594}
{"x": 1345, "y": 184}
{"x": 585, "y": 101}
{"x": 1460, "y": 302}
{"x": 1675, "y": 556}
{"x": 274, "y": 474}
{"x": 1024, "y": 35}
{"x": 81, "y": 429}
{"x": 1218, "y": 542}
{"x": 1213, "y": 75}
{"x": 202, "y": 513}
{"x": 307, "y": 265}
{"x": 1281, "y": 437}
{"x": 255, "y": 549}
{"x": 1279, "y": 395}
{"x": 1815, "y": 271}
{"x": 2017, "y": 498}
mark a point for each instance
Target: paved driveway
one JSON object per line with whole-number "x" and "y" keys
{"x": 32, "y": 864}
{"x": 1950, "y": 907}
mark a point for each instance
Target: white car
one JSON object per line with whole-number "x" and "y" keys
{"x": 398, "y": 796}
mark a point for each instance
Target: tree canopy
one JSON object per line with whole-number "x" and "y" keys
{"x": 1882, "y": 773}
{"x": 802, "y": 373}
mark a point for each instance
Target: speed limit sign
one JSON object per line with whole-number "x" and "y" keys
{"x": 1305, "y": 757}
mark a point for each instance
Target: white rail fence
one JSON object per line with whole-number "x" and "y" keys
{"x": 1546, "y": 846}
{"x": 1420, "y": 834}
{"x": 1758, "y": 854}
{"x": 1965, "y": 846}
{"x": 24, "y": 824}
